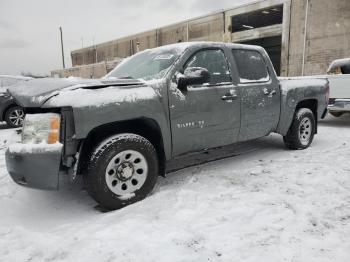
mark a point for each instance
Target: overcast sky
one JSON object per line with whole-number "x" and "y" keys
{"x": 29, "y": 30}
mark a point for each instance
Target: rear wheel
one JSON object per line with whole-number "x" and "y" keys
{"x": 302, "y": 131}
{"x": 122, "y": 170}
{"x": 14, "y": 116}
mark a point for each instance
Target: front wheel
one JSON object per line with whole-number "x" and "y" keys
{"x": 302, "y": 131}
{"x": 123, "y": 169}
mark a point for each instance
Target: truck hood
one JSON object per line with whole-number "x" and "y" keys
{"x": 37, "y": 92}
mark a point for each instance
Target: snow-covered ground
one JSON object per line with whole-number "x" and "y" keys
{"x": 265, "y": 203}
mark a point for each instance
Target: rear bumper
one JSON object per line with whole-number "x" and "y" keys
{"x": 340, "y": 105}
{"x": 34, "y": 166}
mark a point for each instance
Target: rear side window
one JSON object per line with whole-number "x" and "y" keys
{"x": 251, "y": 66}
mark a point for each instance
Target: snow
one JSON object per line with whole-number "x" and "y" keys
{"x": 194, "y": 72}
{"x": 9, "y": 80}
{"x": 19, "y": 77}
{"x": 264, "y": 79}
{"x": 290, "y": 83}
{"x": 45, "y": 86}
{"x": 100, "y": 97}
{"x": 35, "y": 148}
{"x": 342, "y": 99}
{"x": 175, "y": 90}
{"x": 264, "y": 203}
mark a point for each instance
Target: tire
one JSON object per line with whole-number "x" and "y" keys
{"x": 14, "y": 116}
{"x": 336, "y": 114}
{"x": 122, "y": 170}
{"x": 302, "y": 131}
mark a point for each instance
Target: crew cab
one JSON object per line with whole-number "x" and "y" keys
{"x": 119, "y": 132}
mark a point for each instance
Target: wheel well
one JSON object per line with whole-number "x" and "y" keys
{"x": 148, "y": 128}
{"x": 311, "y": 104}
{"x": 7, "y": 109}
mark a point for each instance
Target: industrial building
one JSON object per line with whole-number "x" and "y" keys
{"x": 302, "y": 37}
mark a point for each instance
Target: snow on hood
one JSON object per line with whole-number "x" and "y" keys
{"x": 81, "y": 97}
{"x": 36, "y": 92}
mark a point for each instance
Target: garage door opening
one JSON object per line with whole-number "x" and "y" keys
{"x": 261, "y": 18}
{"x": 273, "y": 46}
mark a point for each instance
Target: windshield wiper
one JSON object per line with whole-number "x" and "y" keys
{"x": 120, "y": 77}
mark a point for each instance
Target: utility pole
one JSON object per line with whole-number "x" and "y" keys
{"x": 305, "y": 37}
{"x": 64, "y": 66}
{"x": 95, "y": 48}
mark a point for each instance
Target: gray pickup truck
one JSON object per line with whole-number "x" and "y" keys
{"x": 120, "y": 131}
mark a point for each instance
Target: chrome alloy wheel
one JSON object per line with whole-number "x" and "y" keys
{"x": 16, "y": 117}
{"x": 305, "y": 131}
{"x": 126, "y": 172}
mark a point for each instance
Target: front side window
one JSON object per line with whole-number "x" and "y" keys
{"x": 251, "y": 66}
{"x": 215, "y": 62}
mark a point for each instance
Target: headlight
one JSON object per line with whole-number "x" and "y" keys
{"x": 41, "y": 128}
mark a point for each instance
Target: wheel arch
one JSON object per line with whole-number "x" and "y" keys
{"x": 7, "y": 108}
{"x": 289, "y": 109}
{"x": 311, "y": 104}
{"x": 145, "y": 127}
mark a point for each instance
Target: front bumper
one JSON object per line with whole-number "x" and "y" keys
{"x": 340, "y": 105}
{"x": 34, "y": 166}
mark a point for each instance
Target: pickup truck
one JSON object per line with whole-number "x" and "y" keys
{"x": 339, "y": 83}
{"x": 119, "y": 132}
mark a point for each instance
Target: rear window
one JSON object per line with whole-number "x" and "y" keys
{"x": 345, "y": 69}
{"x": 251, "y": 66}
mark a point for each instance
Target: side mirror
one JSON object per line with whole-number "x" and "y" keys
{"x": 192, "y": 76}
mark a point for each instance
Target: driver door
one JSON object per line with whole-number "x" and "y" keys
{"x": 206, "y": 115}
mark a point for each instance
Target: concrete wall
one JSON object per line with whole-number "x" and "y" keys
{"x": 96, "y": 70}
{"x": 209, "y": 28}
{"x": 119, "y": 48}
{"x": 327, "y": 35}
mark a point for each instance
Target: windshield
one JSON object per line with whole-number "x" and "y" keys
{"x": 148, "y": 65}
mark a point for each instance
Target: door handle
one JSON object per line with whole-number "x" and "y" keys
{"x": 266, "y": 91}
{"x": 229, "y": 97}
{"x": 273, "y": 92}
{"x": 269, "y": 92}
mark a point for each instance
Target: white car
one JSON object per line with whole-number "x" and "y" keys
{"x": 339, "y": 82}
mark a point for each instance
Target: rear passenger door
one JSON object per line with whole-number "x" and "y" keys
{"x": 260, "y": 94}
